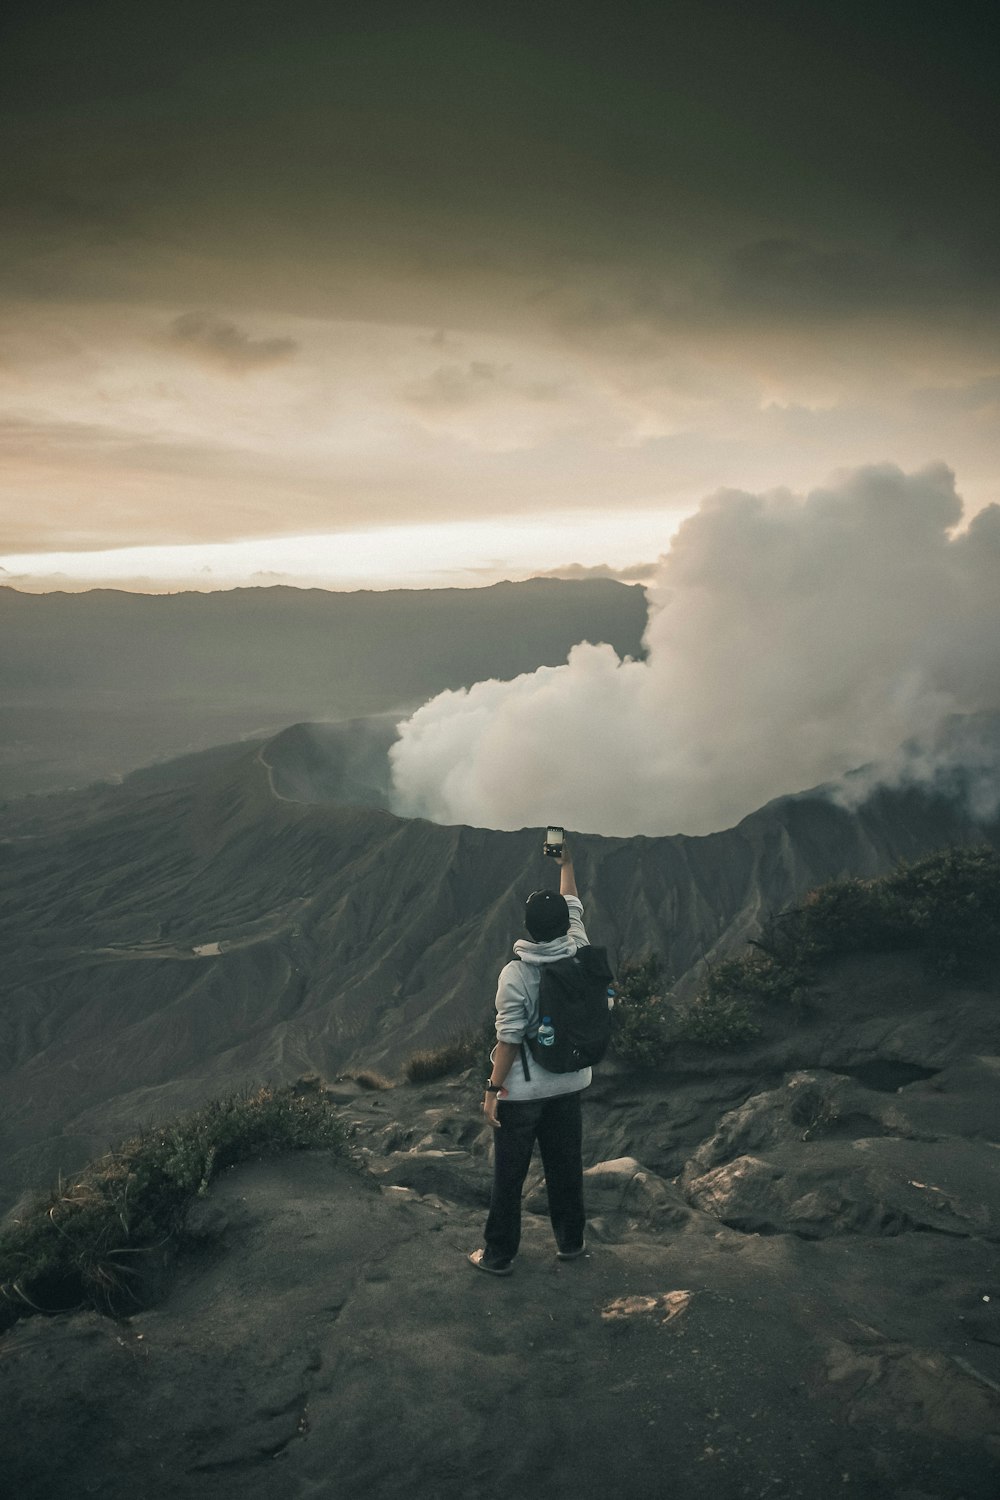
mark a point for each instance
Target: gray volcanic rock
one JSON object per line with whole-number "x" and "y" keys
{"x": 433, "y": 1170}
{"x": 883, "y": 1186}
{"x": 824, "y": 1155}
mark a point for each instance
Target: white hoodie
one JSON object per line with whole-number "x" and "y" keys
{"x": 517, "y": 1009}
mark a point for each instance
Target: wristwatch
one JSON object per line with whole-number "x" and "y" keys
{"x": 493, "y": 1088}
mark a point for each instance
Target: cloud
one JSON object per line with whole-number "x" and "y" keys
{"x": 529, "y": 267}
{"x": 454, "y": 385}
{"x": 451, "y": 387}
{"x": 959, "y": 759}
{"x": 495, "y": 406}
{"x": 220, "y": 343}
{"x": 977, "y": 396}
{"x": 789, "y": 639}
{"x": 799, "y": 276}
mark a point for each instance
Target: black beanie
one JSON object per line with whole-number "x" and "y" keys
{"x": 546, "y": 915}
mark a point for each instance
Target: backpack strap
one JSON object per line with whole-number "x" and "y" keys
{"x": 524, "y": 1050}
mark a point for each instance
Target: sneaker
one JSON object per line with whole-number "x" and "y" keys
{"x": 492, "y": 1268}
{"x": 572, "y": 1254}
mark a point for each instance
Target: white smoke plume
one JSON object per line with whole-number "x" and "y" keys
{"x": 789, "y": 640}
{"x": 959, "y": 761}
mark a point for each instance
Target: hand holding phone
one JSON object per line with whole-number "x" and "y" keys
{"x": 554, "y": 838}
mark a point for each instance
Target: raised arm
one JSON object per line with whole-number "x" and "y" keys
{"x": 567, "y": 875}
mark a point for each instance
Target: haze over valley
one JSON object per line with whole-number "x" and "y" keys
{"x": 93, "y": 685}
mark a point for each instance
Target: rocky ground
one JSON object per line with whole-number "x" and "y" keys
{"x": 792, "y": 1290}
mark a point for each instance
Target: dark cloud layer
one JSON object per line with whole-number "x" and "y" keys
{"x": 778, "y": 160}
{"x": 454, "y": 386}
{"x": 668, "y": 246}
{"x": 222, "y": 344}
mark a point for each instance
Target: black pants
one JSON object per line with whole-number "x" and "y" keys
{"x": 556, "y": 1125}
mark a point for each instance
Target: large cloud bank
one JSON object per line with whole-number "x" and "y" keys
{"x": 789, "y": 640}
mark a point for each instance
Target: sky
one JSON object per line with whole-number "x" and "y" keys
{"x": 425, "y": 293}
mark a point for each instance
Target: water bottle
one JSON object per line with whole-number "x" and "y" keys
{"x": 611, "y": 997}
{"x": 546, "y": 1032}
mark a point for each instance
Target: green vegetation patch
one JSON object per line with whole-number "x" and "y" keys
{"x": 726, "y": 1012}
{"x": 642, "y": 1023}
{"x": 647, "y": 1025}
{"x": 84, "y": 1245}
{"x": 945, "y": 907}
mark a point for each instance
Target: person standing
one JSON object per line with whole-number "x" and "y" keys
{"x": 543, "y": 1106}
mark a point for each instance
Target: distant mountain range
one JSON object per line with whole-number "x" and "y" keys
{"x": 242, "y": 914}
{"x": 96, "y": 684}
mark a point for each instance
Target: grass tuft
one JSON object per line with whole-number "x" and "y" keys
{"x": 368, "y": 1078}
{"x": 83, "y": 1245}
{"x": 465, "y": 1050}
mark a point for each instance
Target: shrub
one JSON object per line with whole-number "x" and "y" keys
{"x": 946, "y": 907}
{"x": 723, "y": 1014}
{"x": 641, "y": 1027}
{"x": 368, "y": 1078}
{"x": 465, "y": 1050}
{"x": 79, "y": 1246}
{"x": 952, "y": 906}
{"x": 845, "y": 916}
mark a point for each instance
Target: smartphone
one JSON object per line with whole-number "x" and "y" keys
{"x": 554, "y": 842}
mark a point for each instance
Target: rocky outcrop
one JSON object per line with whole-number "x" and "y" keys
{"x": 791, "y": 1290}
{"x": 324, "y": 1334}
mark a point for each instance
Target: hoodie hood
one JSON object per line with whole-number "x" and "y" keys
{"x": 545, "y": 953}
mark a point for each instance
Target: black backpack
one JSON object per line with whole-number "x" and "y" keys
{"x": 574, "y": 1018}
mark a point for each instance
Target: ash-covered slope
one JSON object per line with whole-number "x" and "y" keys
{"x": 790, "y": 1291}
{"x": 170, "y": 939}
{"x": 346, "y": 764}
{"x": 95, "y": 684}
